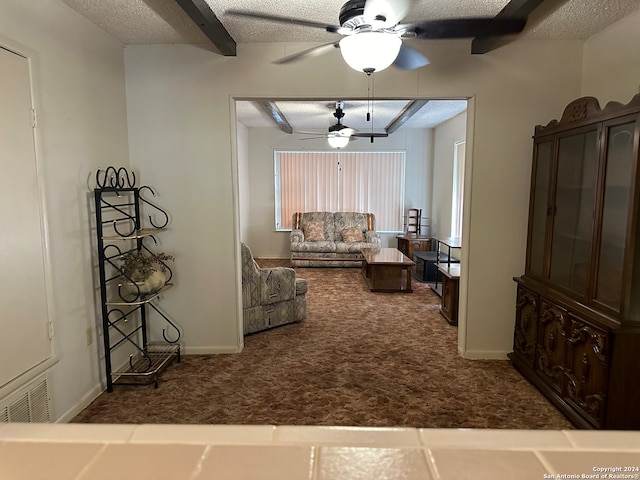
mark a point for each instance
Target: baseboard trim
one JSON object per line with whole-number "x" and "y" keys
{"x": 84, "y": 402}
{"x": 485, "y": 355}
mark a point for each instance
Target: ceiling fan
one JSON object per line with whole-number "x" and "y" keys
{"x": 373, "y": 35}
{"x": 339, "y": 134}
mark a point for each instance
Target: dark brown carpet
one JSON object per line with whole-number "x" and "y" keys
{"x": 359, "y": 358}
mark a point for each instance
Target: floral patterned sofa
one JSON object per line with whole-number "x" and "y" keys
{"x": 270, "y": 296}
{"x": 327, "y": 239}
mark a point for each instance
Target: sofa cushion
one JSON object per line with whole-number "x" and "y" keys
{"x": 313, "y": 231}
{"x": 352, "y": 235}
{"x": 327, "y": 247}
{"x": 355, "y": 247}
{"x": 344, "y": 220}
{"x": 326, "y": 217}
{"x": 277, "y": 285}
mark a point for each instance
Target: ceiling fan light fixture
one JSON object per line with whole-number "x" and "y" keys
{"x": 338, "y": 141}
{"x": 370, "y": 51}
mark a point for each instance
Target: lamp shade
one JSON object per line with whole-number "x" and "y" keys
{"x": 370, "y": 51}
{"x": 338, "y": 141}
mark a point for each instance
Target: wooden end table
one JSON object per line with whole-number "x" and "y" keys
{"x": 450, "y": 292}
{"x": 387, "y": 270}
{"x": 410, "y": 243}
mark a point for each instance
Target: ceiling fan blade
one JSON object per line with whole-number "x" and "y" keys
{"x": 409, "y": 59}
{"x": 311, "y": 52}
{"x": 390, "y": 12}
{"x": 290, "y": 21}
{"x": 302, "y": 132}
{"x": 340, "y": 130}
{"x": 466, "y": 27}
{"x": 370, "y": 134}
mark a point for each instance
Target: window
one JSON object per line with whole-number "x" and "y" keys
{"x": 457, "y": 192}
{"x": 340, "y": 181}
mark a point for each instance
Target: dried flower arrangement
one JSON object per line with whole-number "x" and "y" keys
{"x": 138, "y": 265}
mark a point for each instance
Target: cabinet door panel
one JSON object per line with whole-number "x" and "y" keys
{"x": 588, "y": 369}
{"x": 524, "y": 339}
{"x": 574, "y": 210}
{"x": 615, "y": 214}
{"x": 551, "y": 349}
{"x": 539, "y": 208}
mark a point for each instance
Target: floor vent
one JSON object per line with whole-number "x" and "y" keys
{"x": 30, "y": 404}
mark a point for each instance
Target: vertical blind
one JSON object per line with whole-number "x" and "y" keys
{"x": 341, "y": 181}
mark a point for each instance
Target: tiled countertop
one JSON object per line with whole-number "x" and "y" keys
{"x": 196, "y": 452}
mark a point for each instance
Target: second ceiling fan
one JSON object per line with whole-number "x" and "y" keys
{"x": 339, "y": 134}
{"x": 373, "y": 35}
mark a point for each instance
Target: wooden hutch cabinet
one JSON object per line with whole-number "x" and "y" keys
{"x": 577, "y": 328}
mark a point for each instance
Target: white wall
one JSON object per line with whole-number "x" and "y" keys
{"x": 181, "y": 134}
{"x": 244, "y": 179}
{"x": 180, "y": 131}
{"x": 82, "y": 126}
{"x": 264, "y": 240}
{"x": 446, "y": 134}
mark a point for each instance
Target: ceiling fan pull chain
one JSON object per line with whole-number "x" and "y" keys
{"x": 371, "y": 94}
{"x": 368, "y": 98}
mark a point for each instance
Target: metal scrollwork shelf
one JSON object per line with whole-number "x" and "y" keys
{"x": 119, "y": 205}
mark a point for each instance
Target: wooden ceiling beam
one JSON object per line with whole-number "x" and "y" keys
{"x": 514, "y": 9}
{"x": 200, "y": 12}
{"x": 274, "y": 113}
{"x": 407, "y": 112}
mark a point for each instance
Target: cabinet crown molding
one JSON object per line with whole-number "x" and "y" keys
{"x": 588, "y": 109}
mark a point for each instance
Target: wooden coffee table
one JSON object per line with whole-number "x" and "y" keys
{"x": 387, "y": 270}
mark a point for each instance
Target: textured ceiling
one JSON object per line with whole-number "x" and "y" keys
{"x": 318, "y": 115}
{"x": 140, "y": 22}
{"x": 569, "y": 19}
{"x": 163, "y": 21}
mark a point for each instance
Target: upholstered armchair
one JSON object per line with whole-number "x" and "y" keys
{"x": 270, "y": 296}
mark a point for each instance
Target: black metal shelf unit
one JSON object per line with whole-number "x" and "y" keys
{"x": 125, "y": 308}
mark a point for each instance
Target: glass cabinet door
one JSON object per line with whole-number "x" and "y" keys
{"x": 615, "y": 213}
{"x": 574, "y": 207}
{"x": 539, "y": 207}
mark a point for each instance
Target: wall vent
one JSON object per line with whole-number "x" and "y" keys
{"x": 29, "y": 404}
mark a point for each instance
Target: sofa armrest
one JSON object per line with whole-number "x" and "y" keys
{"x": 372, "y": 236}
{"x": 277, "y": 284}
{"x": 296, "y": 236}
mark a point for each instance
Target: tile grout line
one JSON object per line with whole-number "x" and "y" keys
{"x": 91, "y": 462}
{"x": 541, "y": 458}
{"x": 312, "y": 467}
{"x": 570, "y": 439}
{"x": 431, "y": 463}
{"x": 198, "y": 469}
{"x": 133, "y": 432}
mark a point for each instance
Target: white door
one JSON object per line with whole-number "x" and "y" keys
{"x": 24, "y": 322}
